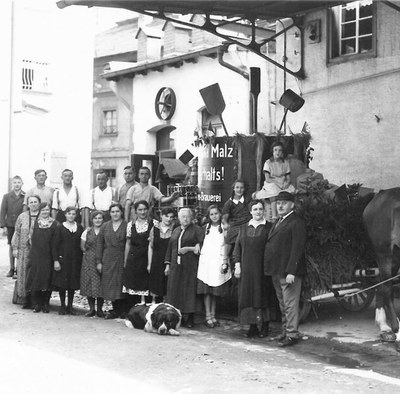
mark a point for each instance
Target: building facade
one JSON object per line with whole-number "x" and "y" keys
{"x": 174, "y": 64}
{"x": 112, "y": 105}
{"x": 46, "y": 86}
{"x": 351, "y": 59}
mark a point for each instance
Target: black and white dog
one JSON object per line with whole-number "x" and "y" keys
{"x": 160, "y": 318}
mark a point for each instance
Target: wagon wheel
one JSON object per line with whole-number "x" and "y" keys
{"x": 358, "y": 302}
{"x": 305, "y": 304}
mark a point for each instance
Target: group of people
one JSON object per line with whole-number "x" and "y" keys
{"x": 112, "y": 248}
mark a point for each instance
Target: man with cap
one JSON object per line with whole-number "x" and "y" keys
{"x": 284, "y": 261}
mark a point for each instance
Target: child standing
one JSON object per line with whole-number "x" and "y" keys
{"x": 213, "y": 273}
{"x": 159, "y": 238}
{"x": 68, "y": 266}
{"x": 90, "y": 273}
{"x": 11, "y": 208}
{"x": 235, "y": 213}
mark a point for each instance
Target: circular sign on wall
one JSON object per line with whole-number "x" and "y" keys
{"x": 165, "y": 103}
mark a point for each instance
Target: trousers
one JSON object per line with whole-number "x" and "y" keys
{"x": 289, "y": 297}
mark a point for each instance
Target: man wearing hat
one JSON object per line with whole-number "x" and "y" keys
{"x": 284, "y": 261}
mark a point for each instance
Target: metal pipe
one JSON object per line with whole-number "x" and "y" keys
{"x": 333, "y": 294}
{"x": 223, "y": 49}
{"x": 11, "y": 98}
{"x": 284, "y": 70}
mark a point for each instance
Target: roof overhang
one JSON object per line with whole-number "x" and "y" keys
{"x": 248, "y": 18}
{"x": 159, "y": 127}
{"x": 157, "y": 65}
{"x": 249, "y": 9}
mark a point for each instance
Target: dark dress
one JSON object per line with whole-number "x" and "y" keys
{"x": 136, "y": 276}
{"x": 41, "y": 257}
{"x": 110, "y": 249}
{"x": 254, "y": 287}
{"x": 182, "y": 280}
{"x": 157, "y": 279}
{"x": 69, "y": 254}
{"x": 90, "y": 278}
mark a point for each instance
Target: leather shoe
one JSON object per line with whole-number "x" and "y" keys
{"x": 37, "y": 309}
{"x": 62, "y": 310}
{"x": 10, "y": 274}
{"x": 45, "y": 309}
{"x": 190, "y": 321}
{"x": 287, "y": 341}
{"x": 253, "y": 331}
{"x": 111, "y": 315}
{"x": 70, "y": 311}
{"x": 100, "y": 313}
{"x": 264, "y": 330}
{"x": 90, "y": 313}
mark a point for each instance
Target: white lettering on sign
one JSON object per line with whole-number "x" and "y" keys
{"x": 218, "y": 150}
{"x": 209, "y": 197}
{"x": 213, "y": 174}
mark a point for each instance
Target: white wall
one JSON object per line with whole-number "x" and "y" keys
{"x": 64, "y": 38}
{"x": 342, "y": 102}
{"x": 5, "y": 75}
{"x": 186, "y": 82}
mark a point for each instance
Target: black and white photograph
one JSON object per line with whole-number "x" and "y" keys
{"x": 199, "y": 197}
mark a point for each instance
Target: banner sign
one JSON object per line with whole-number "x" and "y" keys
{"x": 215, "y": 172}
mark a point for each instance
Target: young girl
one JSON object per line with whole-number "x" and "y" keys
{"x": 160, "y": 235}
{"x": 67, "y": 267}
{"x": 213, "y": 274}
{"x": 277, "y": 177}
{"x": 90, "y": 275}
{"x": 235, "y": 213}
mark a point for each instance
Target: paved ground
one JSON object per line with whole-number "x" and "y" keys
{"x": 73, "y": 354}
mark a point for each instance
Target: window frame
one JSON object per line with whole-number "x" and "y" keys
{"x": 103, "y": 122}
{"x": 350, "y": 57}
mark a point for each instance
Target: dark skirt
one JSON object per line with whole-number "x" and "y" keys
{"x": 157, "y": 279}
{"x": 219, "y": 291}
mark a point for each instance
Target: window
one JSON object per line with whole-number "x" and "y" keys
{"x": 352, "y": 29}
{"x": 35, "y": 76}
{"x": 110, "y": 122}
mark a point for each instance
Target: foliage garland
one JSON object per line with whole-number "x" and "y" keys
{"x": 337, "y": 241}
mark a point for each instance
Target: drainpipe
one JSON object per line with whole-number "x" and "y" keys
{"x": 284, "y": 68}
{"x": 11, "y": 97}
{"x": 223, "y": 49}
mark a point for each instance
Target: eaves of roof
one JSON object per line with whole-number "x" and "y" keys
{"x": 250, "y": 9}
{"x": 157, "y": 65}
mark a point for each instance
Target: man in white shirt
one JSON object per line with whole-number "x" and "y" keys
{"x": 100, "y": 198}
{"x": 64, "y": 197}
{"x": 44, "y": 192}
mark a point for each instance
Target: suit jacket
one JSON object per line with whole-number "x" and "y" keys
{"x": 284, "y": 250}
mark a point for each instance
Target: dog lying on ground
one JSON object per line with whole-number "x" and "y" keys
{"x": 158, "y": 318}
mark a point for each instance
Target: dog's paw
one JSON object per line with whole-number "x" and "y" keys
{"x": 128, "y": 323}
{"x": 174, "y": 332}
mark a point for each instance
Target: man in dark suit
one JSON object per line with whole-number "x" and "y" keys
{"x": 284, "y": 261}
